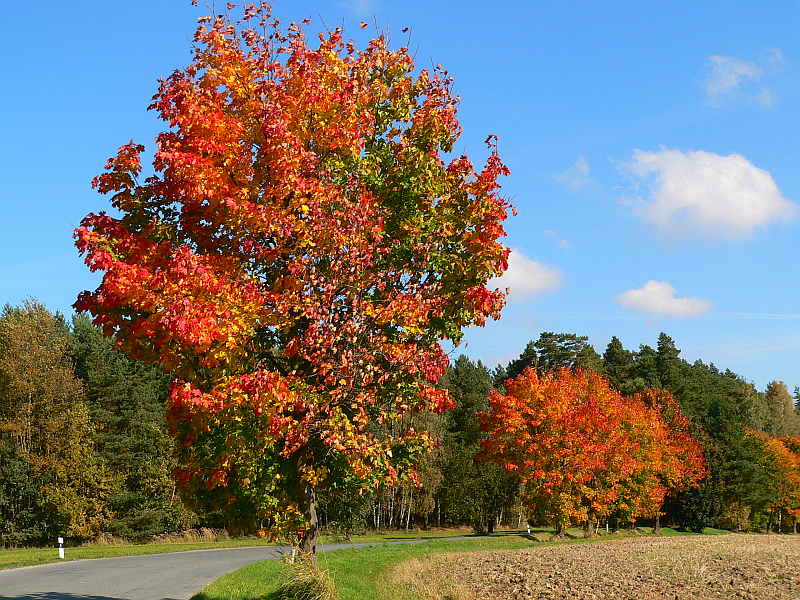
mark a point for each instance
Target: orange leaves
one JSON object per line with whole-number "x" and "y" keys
{"x": 585, "y": 451}
{"x": 121, "y": 170}
{"x": 781, "y": 461}
{"x": 436, "y": 401}
{"x": 185, "y": 304}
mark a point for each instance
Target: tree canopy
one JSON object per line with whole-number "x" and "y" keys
{"x": 584, "y": 452}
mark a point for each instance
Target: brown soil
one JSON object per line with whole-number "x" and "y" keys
{"x": 678, "y": 568}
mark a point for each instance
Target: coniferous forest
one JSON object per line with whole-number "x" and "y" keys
{"x": 85, "y": 446}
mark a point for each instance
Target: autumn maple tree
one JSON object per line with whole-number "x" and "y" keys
{"x": 791, "y": 445}
{"x": 780, "y": 460}
{"x": 585, "y": 452}
{"x": 299, "y": 253}
{"x": 671, "y": 458}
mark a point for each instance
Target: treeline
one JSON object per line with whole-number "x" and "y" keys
{"x": 84, "y": 445}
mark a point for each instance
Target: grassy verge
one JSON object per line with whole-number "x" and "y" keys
{"x": 359, "y": 574}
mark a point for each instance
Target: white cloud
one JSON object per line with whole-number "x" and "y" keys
{"x": 705, "y": 194}
{"x": 501, "y": 360}
{"x": 525, "y": 277}
{"x": 577, "y": 176}
{"x": 731, "y": 78}
{"x": 765, "y": 97}
{"x": 658, "y": 297}
{"x": 728, "y": 73}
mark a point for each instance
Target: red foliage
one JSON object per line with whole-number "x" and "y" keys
{"x": 584, "y": 452}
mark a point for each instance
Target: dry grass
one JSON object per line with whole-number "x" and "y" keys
{"x": 301, "y": 581}
{"x": 755, "y": 567}
{"x": 189, "y": 536}
{"x": 411, "y": 580}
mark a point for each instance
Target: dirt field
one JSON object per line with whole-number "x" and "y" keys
{"x": 757, "y": 567}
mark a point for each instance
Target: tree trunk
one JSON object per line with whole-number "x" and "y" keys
{"x": 490, "y": 525}
{"x": 308, "y": 504}
{"x": 402, "y": 512}
{"x": 657, "y": 528}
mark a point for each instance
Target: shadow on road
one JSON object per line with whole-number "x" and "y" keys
{"x": 60, "y": 596}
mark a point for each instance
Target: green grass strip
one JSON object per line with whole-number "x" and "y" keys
{"x": 355, "y": 571}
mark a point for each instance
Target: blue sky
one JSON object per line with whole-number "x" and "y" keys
{"x": 652, "y": 148}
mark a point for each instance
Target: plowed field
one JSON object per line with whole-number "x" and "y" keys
{"x": 756, "y": 567}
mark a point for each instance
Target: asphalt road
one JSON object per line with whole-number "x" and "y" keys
{"x": 174, "y": 576}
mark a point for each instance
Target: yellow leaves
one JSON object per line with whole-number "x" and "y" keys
{"x": 314, "y": 476}
{"x": 413, "y": 329}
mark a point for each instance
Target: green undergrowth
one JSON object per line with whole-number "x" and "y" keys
{"x": 361, "y": 573}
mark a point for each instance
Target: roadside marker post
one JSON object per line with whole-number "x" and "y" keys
{"x": 61, "y": 547}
